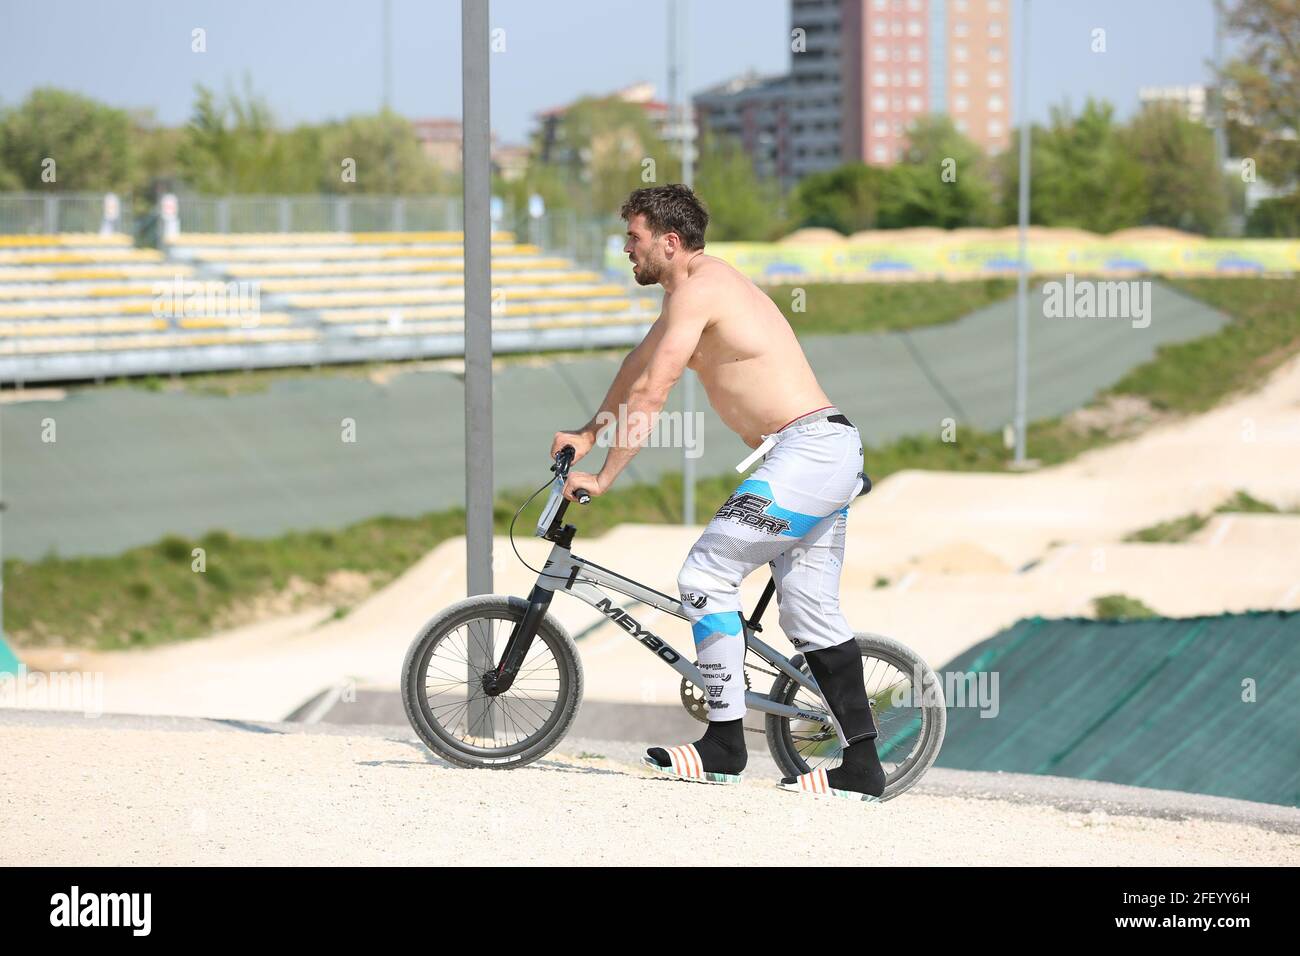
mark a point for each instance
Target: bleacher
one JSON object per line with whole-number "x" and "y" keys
{"x": 80, "y": 306}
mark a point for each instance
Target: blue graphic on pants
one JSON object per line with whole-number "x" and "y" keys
{"x": 711, "y": 627}
{"x": 753, "y": 503}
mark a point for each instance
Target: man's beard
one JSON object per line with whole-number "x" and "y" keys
{"x": 645, "y": 274}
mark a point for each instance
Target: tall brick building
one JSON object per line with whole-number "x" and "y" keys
{"x": 860, "y": 72}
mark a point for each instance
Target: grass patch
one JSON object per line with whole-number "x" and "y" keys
{"x": 1194, "y": 376}
{"x": 1180, "y": 529}
{"x": 1241, "y": 502}
{"x": 1120, "y": 607}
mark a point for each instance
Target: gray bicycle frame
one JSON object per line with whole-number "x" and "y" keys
{"x": 566, "y": 572}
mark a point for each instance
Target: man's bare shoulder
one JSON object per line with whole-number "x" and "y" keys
{"x": 710, "y": 284}
{"x": 717, "y": 273}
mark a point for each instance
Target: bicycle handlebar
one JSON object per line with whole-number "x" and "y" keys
{"x": 563, "y": 459}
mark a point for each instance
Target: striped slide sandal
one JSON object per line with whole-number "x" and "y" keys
{"x": 816, "y": 783}
{"x": 685, "y": 764}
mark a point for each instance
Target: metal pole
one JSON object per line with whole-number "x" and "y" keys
{"x": 479, "y": 485}
{"x": 684, "y": 116}
{"x": 388, "y": 55}
{"x": 388, "y": 93}
{"x": 677, "y": 96}
{"x": 1022, "y": 279}
{"x": 1220, "y": 121}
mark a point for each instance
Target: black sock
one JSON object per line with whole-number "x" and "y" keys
{"x": 861, "y": 771}
{"x": 721, "y": 749}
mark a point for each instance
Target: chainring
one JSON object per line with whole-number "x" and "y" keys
{"x": 694, "y": 701}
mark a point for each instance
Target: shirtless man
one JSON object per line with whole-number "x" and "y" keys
{"x": 790, "y": 513}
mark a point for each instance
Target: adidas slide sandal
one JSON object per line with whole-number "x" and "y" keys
{"x": 685, "y": 764}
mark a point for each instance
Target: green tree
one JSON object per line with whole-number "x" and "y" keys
{"x": 1083, "y": 175}
{"x": 601, "y": 145}
{"x": 231, "y": 146}
{"x": 1185, "y": 187}
{"x": 1262, "y": 87}
{"x": 90, "y": 143}
{"x": 387, "y": 153}
{"x": 157, "y": 150}
{"x": 943, "y": 180}
{"x": 742, "y": 206}
{"x": 1277, "y": 218}
{"x": 847, "y": 198}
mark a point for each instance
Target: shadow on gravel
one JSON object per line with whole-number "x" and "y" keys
{"x": 245, "y": 725}
{"x": 431, "y": 760}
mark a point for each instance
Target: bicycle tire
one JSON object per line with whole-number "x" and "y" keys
{"x": 934, "y": 716}
{"x": 436, "y": 737}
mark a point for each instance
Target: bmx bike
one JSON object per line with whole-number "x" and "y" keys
{"x": 495, "y": 681}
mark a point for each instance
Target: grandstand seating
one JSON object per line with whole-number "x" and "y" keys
{"x": 82, "y": 305}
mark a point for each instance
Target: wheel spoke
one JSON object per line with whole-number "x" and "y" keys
{"x": 457, "y": 704}
{"x": 901, "y": 728}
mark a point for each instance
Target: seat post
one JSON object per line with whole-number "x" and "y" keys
{"x": 761, "y": 606}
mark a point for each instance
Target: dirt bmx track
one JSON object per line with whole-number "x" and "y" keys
{"x": 140, "y": 791}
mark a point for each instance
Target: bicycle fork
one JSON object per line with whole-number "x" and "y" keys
{"x": 499, "y": 681}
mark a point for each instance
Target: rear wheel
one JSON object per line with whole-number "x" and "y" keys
{"x": 446, "y": 701}
{"x": 909, "y": 716}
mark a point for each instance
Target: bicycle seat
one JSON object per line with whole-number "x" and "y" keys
{"x": 866, "y": 483}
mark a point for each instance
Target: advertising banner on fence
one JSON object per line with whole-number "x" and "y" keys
{"x": 883, "y": 261}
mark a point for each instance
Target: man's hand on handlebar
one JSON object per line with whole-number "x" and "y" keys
{"x": 580, "y": 479}
{"x": 581, "y": 443}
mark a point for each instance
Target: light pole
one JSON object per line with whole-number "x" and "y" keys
{"x": 1022, "y": 279}
{"x": 677, "y": 95}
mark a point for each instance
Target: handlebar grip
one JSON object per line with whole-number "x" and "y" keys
{"x": 582, "y": 496}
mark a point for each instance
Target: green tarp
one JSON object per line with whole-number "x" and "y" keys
{"x": 1205, "y": 705}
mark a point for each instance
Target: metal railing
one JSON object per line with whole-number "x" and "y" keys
{"x": 26, "y": 213}
{"x": 318, "y": 213}
{"x": 558, "y": 232}
{"x": 564, "y": 233}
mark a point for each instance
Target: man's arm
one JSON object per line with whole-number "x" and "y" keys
{"x": 633, "y": 366}
{"x": 634, "y": 363}
{"x": 685, "y": 316}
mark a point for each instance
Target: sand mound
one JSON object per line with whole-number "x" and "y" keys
{"x": 1154, "y": 234}
{"x": 802, "y": 237}
{"x": 924, "y": 234}
{"x": 1044, "y": 234}
{"x": 961, "y": 557}
{"x": 919, "y": 234}
{"x": 929, "y": 234}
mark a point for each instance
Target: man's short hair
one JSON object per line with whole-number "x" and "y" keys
{"x": 670, "y": 208}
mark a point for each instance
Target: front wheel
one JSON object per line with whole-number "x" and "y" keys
{"x": 445, "y": 697}
{"x": 907, "y": 705}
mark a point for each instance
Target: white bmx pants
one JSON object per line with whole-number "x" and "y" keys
{"x": 790, "y": 514}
